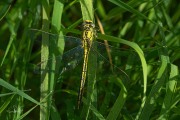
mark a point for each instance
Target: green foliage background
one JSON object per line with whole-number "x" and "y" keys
{"x": 149, "y": 28}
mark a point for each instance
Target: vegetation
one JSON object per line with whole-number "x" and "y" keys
{"x": 137, "y": 79}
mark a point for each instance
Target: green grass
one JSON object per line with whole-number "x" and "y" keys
{"x": 146, "y": 32}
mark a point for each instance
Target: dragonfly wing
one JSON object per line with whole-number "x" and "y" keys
{"x": 73, "y": 51}
{"x": 112, "y": 59}
{"x": 68, "y": 61}
{"x": 71, "y": 58}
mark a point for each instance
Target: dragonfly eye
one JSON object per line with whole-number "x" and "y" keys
{"x": 92, "y": 25}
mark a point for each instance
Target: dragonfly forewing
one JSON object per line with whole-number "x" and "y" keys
{"x": 72, "y": 55}
{"x": 112, "y": 58}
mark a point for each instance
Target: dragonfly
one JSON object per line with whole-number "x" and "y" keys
{"x": 87, "y": 38}
{"x": 82, "y": 49}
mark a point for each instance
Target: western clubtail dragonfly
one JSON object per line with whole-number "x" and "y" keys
{"x": 81, "y": 49}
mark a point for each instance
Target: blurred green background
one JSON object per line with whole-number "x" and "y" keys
{"x": 153, "y": 25}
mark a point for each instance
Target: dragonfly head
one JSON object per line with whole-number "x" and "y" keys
{"x": 87, "y": 24}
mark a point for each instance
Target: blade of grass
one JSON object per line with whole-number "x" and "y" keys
{"x": 151, "y": 99}
{"x": 17, "y": 91}
{"x": 170, "y": 93}
{"x": 94, "y": 110}
{"x": 44, "y": 89}
{"x": 130, "y": 9}
{"x": 56, "y": 47}
{"x": 26, "y": 113}
{"x": 118, "y": 105}
{"x": 6, "y": 103}
{"x": 12, "y": 38}
{"x": 87, "y": 9}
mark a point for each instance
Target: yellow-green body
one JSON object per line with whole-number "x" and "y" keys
{"x": 87, "y": 38}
